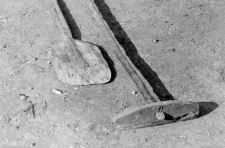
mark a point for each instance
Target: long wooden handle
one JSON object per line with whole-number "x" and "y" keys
{"x": 61, "y": 19}
{"x": 124, "y": 60}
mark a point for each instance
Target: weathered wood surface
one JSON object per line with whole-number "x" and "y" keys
{"x": 80, "y": 63}
{"x": 77, "y": 62}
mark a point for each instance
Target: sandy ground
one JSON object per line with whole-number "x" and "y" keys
{"x": 178, "y": 46}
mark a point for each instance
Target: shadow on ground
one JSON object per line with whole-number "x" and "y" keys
{"x": 131, "y": 51}
{"x": 76, "y": 34}
{"x": 110, "y": 63}
{"x": 206, "y": 107}
{"x": 70, "y": 20}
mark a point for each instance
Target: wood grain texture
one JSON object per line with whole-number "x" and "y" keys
{"x": 80, "y": 63}
{"x": 77, "y": 62}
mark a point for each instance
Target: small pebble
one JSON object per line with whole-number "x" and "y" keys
{"x": 134, "y": 92}
{"x": 66, "y": 99}
{"x": 35, "y": 59}
{"x": 116, "y": 100}
{"x": 155, "y": 40}
{"x": 32, "y": 144}
{"x": 23, "y": 96}
{"x": 58, "y": 92}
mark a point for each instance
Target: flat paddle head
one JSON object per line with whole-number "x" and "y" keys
{"x": 156, "y": 113}
{"x": 78, "y": 62}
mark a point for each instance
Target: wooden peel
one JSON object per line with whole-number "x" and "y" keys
{"x": 77, "y": 62}
{"x": 153, "y": 114}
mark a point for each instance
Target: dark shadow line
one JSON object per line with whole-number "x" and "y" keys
{"x": 76, "y": 34}
{"x": 206, "y": 107}
{"x": 75, "y": 31}
{"x": 110, "y": 63}
{"x": 131, "y": 51}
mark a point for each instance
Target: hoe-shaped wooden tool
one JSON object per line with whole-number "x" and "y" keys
{"x": 77, "y": 62}
{"x": 153, "y": 114}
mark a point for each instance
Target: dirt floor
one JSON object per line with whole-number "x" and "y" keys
{"x": 178, "y": 46}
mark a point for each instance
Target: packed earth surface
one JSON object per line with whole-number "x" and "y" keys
{"x": 177, "y": 45}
